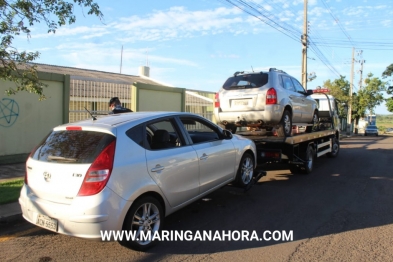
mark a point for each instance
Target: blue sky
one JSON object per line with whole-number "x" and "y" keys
{"x": 198, "y": 44}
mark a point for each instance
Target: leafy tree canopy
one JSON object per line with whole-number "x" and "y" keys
{"x": 339, "y": 88}
{"x": 388, "y": 71}
{"x": 371, "y": 95}
{"x": 16, "y": 18}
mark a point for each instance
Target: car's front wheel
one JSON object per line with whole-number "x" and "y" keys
{"x": 245, "y": 171}
{"x": 143, "y": 220}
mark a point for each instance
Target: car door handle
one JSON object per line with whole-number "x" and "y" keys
{"x": 157, "y": 168}
{"x": 203, "y": 157}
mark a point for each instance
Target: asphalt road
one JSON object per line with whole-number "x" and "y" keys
{"x": 342, "y": 211}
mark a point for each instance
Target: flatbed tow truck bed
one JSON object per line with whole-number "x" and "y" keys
{"x": 298, "y": 151}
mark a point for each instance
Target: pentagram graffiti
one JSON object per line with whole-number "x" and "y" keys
{"x": 9, "y": 112}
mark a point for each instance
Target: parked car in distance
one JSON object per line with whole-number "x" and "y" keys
{"x": 129, "y": 171}
{"x": 371, "y": 130}
{"x": 389, "y": 131}
{"x": 271, "y": 99}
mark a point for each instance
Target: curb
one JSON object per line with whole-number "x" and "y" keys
{"x": 11, "y": 219}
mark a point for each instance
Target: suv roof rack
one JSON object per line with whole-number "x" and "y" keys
{"x": 277, "y": 70}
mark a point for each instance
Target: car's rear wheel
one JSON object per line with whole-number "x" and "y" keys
{"x": 245, "y": 171}
{"x": 315, "y": 121}
{"x": 145, "y": 215}
{"x": 285, "y": 126}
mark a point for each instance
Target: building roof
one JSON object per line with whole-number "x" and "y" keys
{"x": 94, "y": 75}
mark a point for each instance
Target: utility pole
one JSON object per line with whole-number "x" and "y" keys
{"x": 304, "y": 43}
{"x": 349, "y": 115}
{"x": 361, "y": 61}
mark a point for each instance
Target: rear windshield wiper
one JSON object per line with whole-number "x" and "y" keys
{"x": 61, "y": 159}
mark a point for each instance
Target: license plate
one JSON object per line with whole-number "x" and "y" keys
{"x": 240, "y": 102}
{"x": 47, "y": 222}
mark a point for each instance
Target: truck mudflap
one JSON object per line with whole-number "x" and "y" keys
{"x": 257, "y": 175}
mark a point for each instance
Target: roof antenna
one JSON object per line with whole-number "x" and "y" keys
{"x": 252, "y": 69}
{"x": 94, "y": 118}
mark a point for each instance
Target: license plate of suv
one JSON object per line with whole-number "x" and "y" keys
{"x": 46, "y": 222}
{"x": 243, "y": 102}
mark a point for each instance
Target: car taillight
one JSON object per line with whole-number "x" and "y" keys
{"x": 217, "y": 100}
{"x": 31, "y": 153}
{"x": 99, "y": 172}
{"x": 271, "y": 96}
{"x": 26, "y": 179}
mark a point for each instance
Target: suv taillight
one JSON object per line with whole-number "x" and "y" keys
{"x": 271, "y": 96}
{"x": 217, "y": 100}
{"x": 99, "y": 172}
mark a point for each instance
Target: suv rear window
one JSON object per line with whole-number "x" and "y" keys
{"x": 73, "y": 146}
{"x": 246, "y": 81}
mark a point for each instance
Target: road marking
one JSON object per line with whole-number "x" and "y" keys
{"x": 26, "y": 232}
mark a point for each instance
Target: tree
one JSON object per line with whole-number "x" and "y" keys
{"x": 339, "y": 88}
{"x": 16, "y": 18}
{"x": 389, "y": 102}
{"x": 365, "y": 99}
{"x": 371, "y": 95}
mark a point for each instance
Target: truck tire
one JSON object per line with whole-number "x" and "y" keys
{"x": 309, "y": 164}
{"x": 285, "y": 126}
{"x": 335, "y": 148}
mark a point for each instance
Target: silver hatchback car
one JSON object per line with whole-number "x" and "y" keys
{"x": 268, "y": 100}
{"x": 129, "y": 171}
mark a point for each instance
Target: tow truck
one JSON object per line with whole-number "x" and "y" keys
{"x": 300, "y": 150}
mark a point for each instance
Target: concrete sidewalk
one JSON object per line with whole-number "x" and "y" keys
{"x": 12, "y": 211}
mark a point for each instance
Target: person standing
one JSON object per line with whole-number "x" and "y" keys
{"x": 116, "y": 107}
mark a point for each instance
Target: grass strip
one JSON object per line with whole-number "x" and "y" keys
{"x": 10, "y": 191}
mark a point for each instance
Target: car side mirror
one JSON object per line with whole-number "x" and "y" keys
{"x": 309, "y": 92}
{"x": 227, "y": 134}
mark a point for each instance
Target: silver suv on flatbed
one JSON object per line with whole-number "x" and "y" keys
{"x": 267, "y": 100}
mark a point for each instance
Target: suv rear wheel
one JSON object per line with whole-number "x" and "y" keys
{"x": 285, "y": 126}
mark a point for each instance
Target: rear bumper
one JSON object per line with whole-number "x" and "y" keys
{"x": 271, "y": 115}
{"x": 85, "y": 217}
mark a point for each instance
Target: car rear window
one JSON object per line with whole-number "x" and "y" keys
{"x": 72, "y": 146}
{"x": 246, "y": 81}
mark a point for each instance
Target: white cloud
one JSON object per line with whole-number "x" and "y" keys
{"x": 386, "y": 23}
{"x": 82, "y": 31}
